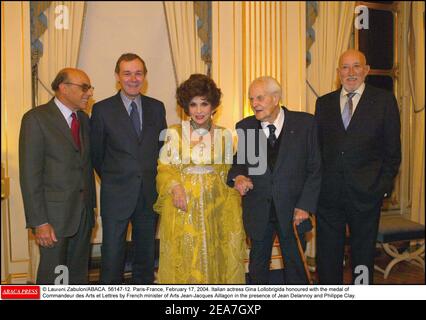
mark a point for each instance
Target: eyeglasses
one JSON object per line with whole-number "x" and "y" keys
{"x": 84, "y": 87}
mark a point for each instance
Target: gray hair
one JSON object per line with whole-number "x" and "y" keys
{"x": 272, "y": 85}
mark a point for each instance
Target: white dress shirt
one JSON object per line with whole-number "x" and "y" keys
{"x": 127, "y": 103}
{"x": 66, "y": 112}
{"x": 278, "y": 123}
{"x": 355, "y": 98}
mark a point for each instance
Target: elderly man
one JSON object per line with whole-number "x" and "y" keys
{"x": 287, "y": 190}
{"x": 57, "y": 182}
{"x": 359, "y": 134}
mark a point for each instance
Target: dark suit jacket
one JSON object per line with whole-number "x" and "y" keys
{"x": 124, "y": 162}
{"x": 295, "y": 180}
{"x": 365, "y": 158}
{"x": 56, "y": 179}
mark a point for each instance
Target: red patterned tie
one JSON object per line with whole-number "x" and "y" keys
{"x": 75, "y": 129}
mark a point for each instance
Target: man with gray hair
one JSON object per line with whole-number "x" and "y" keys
{"x": 287, "y": 190}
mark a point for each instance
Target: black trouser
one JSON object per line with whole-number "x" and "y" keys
{"x": 260, "y": 256}
{"x": 113, "y": 248}
{"x": 331, "y": 234}
{"x": 72, "y": 252}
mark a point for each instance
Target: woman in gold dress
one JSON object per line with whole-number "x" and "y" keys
{"x": 202, "y": 240}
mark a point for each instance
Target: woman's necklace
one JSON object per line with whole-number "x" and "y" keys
{"x": 201, "y": 131}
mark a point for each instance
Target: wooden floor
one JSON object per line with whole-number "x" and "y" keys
{"x": 404, "y": 273}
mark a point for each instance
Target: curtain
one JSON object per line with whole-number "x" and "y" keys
{"x": 15, "y": 101}
{"x": 257, "y": 38}
{"x": 184, "y": 41}
{"x": 252, "y": 39}
{"x": 333, "y": 28}
{"x": 227, "y": 68}
{"x": 416, "y": 65}
{"x": 61, "y": 46}
{"x": 185, "y": 45}
{"x": 274, "y": 45}
{"x": 61, "y": 43}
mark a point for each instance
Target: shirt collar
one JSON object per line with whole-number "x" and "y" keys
{"x": 127, "y": 101}
{"x": 63, "y": 108}
{"x": 278, "y": 123}
{"x": 358, "y": 91}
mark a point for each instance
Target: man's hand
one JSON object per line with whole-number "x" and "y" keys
{"x": 299, "y": 216}
{"x": 243, "y": 184}
{"x": 45, "y": 235}
{"x": 179, "y": 197}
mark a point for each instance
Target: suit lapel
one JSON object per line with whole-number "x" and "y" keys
{"x": 362, "y": 109}
{"x": 84, "y": 133}
{"x": 60, "y": 123}
{"x": 336, "y": 112}
{"x": 122, "y": 118}
{"x": 147, "y": 119}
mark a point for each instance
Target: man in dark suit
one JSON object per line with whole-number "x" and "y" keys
{"x": 125, "y": 131}
{"x": 56, "y": 176}
{"x": 282, "y": 186}
{"x": 359, "y": 134}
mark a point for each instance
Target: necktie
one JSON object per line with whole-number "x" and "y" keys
{"x": 272, "y": 137}
{"x": 75, "y": 129}
{"x": 348, "y": 110}
{"x": 134, "y": 116}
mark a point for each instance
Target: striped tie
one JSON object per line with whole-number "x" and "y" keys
{"x": 348, "y": 110}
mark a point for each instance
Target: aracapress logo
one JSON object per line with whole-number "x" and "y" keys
{"x": 20, "y": 292}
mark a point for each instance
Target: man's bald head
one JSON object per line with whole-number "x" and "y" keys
{"x": 72, "y": 87}
{"x": 352, "y": 69}
{"x": 65, "y": 75}
{"x": 353, "y": 52}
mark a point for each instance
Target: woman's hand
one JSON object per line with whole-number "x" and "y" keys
{"x": 179, "y": 197}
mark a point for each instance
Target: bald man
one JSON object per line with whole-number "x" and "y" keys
{"x": 359, "y": 134}
{"x": 57, "y": 181}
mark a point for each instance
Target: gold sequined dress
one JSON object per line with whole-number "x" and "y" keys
{"x": 205, "y": 244}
